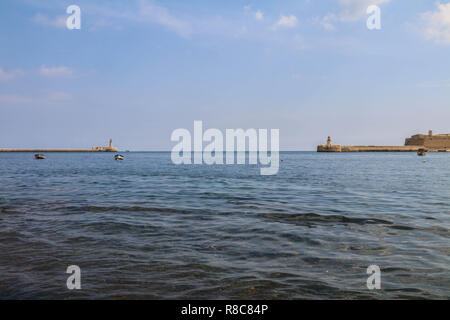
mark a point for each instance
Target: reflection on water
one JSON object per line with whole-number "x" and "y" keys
{"x": 145, "y": 228}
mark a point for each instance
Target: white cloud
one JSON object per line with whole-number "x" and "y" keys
{"x": 328, "y": 21}
{"x": 286, "y": 22}
{"x": 58, "y": 22}
{"x": 259, "y": 15}
{"x": 5, "y": 76}
{"x": 437, "y": 26}
{"x": 56, "y": 71}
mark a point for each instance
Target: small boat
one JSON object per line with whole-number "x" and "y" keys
{"x": 421, "y": 152}
{"x": 118, "y": 157}
{"x": 39, "y": 156}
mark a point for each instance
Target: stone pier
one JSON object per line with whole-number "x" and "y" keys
{"x": 430, "y": 142}
{"x": 109, "y": 148}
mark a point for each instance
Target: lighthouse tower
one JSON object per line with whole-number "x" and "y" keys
{"x": 329, "y": 147}
{"x": 109, "y": 148}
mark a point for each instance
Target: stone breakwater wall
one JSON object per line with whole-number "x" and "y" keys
{"x": 55, "y": 150}
{"x": 380, "y": 148}
{"x": 431, "y": 143}
{"x": 340, "y": 148}
{"x": 108, "y": 148}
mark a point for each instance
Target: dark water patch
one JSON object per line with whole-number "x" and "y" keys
{"x": 394, "y": 269}
{"x": 400, "y": 227}
{"x": 313, "y": 217}
{"x": 406, "y": 290}
{"x": 94, "y": 209}
{"x": 10, "y": 210}
{"x": 300, "y": 239}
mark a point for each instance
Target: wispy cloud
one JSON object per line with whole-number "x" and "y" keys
{"x": 117, "y": 15}
{"x": 57, "y": 22}
{"x": 355, "y": 9}
{"x": 6, "y": 76}
{"x": 61, "y": 71}
{"x": 12, "y": 98}
{"x": 290, "y": 21}
{"x": 328, "y": 21}
{"x": 160, "y": 15}
{"x": 140, "y": 11}
{"x": 51, "y": 97}
{"x": 437, "y": 24}
{"x": 259, "y": 15}
{"x": 186, "y": 26}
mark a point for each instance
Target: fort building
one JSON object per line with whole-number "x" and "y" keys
{"x": 429, "y": 142}
{"x": 109, "y": 148}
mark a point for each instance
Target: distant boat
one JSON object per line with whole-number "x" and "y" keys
{"x": 118, "y": 157}
{"x": 39, "y": 156}
{"x": 421, "y": 152}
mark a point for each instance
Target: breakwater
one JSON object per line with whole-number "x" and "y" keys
{"x": 339, "y": 148}
{"x": 56, "y": 150}
{"x": 109, "y": 148}
{"x": 430, "y": 143}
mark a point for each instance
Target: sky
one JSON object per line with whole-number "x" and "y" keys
{"x": 139, "y": 69}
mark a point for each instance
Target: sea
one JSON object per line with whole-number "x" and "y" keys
{"x": 145, "y": 228}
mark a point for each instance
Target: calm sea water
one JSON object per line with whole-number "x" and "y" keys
{"x": 147, "y": 229}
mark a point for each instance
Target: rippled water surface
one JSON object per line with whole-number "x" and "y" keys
{"x": 147, "y": 229}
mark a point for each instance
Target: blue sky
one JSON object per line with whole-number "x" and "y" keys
{"x": 139, "y": 69}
